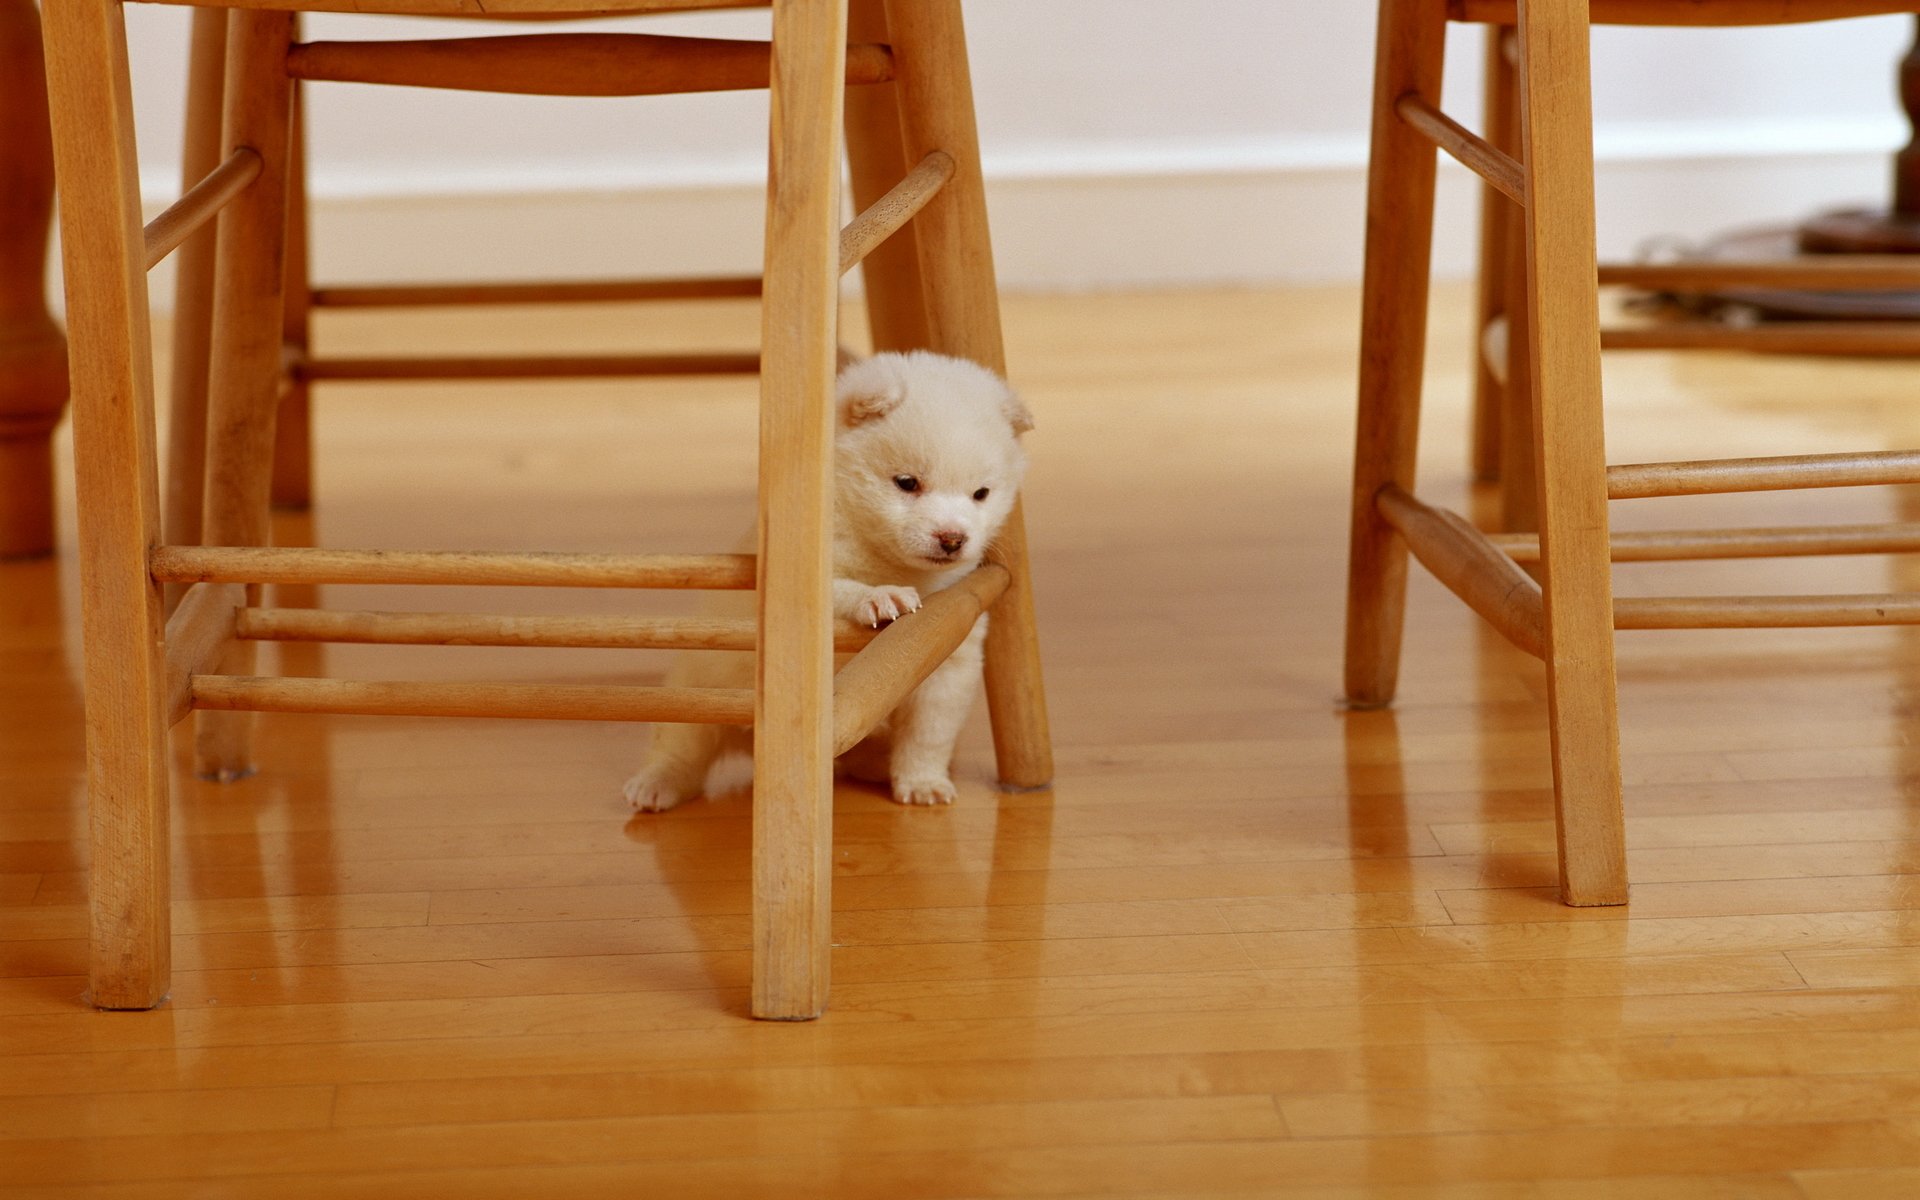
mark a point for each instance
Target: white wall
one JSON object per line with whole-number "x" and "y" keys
{"x": 1128, "y": 141}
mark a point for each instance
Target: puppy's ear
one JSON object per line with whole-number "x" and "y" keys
{"x": 1018, "y": 414}
{"x": 868, "y": 390}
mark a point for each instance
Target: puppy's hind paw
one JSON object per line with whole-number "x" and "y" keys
{"x": 932, "y": 790}
{"x": 648, "y": 793}
{"x": 884, "y": 604}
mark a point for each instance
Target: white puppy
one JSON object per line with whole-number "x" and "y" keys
{"x": 927, "y": 462}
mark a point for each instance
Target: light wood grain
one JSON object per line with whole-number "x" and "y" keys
{"x": 1499, "y": 99}
{"x": 185, "y": 478}
{"x": 1787, "y": 337}
{"x": 243, "y": 380}
{"x": 302, "y": 565}
{"x": 526, "y": 366}
{"x": 1461, "y": 557}
{"x": 1674, "y": 545}
{"x": 887, "y": 215}
{"x": 126, "y": 755}
{"x": 876, "y": 161}
{"x": 875, "y": 682}
{"x": 1557, "y": 145}
{"x": 793, "y": 688}
{"x": 1399, "y": 231}
{"x": 564, "y": 64}
{"x": 199, "y": 634}
{"x": 935, "y": 86}
{"x": 479, "y": 629}
{"x": 1494, "y": 165}
{"x": 557, "y": 701}
{"x": 559, "y": 291}
{"x": 202, "y": 202}
{"x": 1704, "y": 477}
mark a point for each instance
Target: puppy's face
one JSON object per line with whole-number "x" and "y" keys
{"x": 928, "y": 460}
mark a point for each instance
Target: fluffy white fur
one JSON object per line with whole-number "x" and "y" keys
{"x": 927, "y": 462}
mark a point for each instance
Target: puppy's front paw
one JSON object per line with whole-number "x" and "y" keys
{"x": 647, "y": 792}
{"x": 928, "y": 789}
{"x": 883, "y": 604}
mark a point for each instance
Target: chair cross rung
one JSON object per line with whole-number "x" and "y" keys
{"x": 1712, "y": 476}
{"x": 904, "y": 653}
{"x": 531, "y": 701}
{"x": 1677, "y": 545}
{"x": 285, "y": 564}
{"x": 557, "y": 291}
{"x": 201, "y": 203}
{"x": 485, "y": 629}
{"x": 1863, "y": 338}
{"x": 1764, "y": 612}
{"x": 1485, "y": 159}
{"x": 558, "y": 366}
{"x": 565, "y": 64}
{"x": 1471, "y": 567}
{"x": 1827, "y": 272}
{"x": 884, "y": 217}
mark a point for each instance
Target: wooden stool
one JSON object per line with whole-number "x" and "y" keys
{"x": 144, "y": 673}
{"x": 1567, "y": 618}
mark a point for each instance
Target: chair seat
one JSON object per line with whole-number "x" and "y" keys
{"x": 1695, "y": 12}
{"x": 484, "y": 8}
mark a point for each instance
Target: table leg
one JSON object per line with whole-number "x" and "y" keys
{"x": 33, "y": 354}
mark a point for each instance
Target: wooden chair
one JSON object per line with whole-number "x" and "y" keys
{"x": 145, "y": 672}
{"x": 1502, "y": 444}
{"x": 1568, "y": 616}
{"x": 891, "y": 271}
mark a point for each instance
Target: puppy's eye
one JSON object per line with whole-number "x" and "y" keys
{"x": 981, "y": 494}
{"x": 906, "y": 483}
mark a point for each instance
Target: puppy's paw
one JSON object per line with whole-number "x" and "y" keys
{"x": 925, "y": 789}
{"x": 883, "y": 604}
{"x": 647, "y": 792}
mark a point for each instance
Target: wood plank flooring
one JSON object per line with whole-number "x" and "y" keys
{"x": 1250, "y": 945}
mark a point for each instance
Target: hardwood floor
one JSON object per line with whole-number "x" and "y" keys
{"x": 1250, "y": 945}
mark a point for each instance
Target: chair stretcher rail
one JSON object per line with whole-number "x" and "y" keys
{"x": 533, "y": 701}
{"x": 485, "y": 629}
{"x": 275, "y": 564}
{"x": 1462, "y": 558}
{"x": 1677, "y": 545}
{"x": 884, "y": 217}
{"x": 201, "y": 203}
{"x": 1486, "y": 160}
{"x": 878, "y": 678}
{"x": 1712, "y": 476}
{"x": 554, "y": 291}
{"x": 1764, "y": 612}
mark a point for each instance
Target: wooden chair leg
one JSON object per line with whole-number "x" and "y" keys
{"x": 1519, "y": 482}
{"x": 963, "y": 319}
{"x": 245, "y": 377}
{"x": 793, "y": 696}
{"x": 896, "y": 310}
{"x": 118, "y": 488}
{"x": 1557, "y": 128}
{"x": 293, "y": 429}
{"x": 1400, "y": 190}
{"x": 1496, "y": 219}
{"x": 186, "y": 475}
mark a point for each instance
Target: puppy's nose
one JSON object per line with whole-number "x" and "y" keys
{"x": 951, "y": 540}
